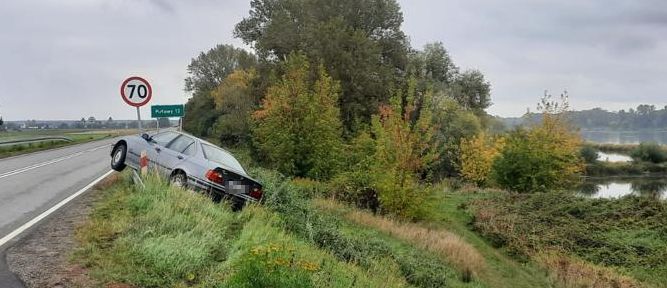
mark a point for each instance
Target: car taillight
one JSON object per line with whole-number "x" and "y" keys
{"x": 214, "y": 176}
{"x": 256, "y": 193}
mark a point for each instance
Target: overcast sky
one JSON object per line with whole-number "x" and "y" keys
{"x": 65, "y": 59}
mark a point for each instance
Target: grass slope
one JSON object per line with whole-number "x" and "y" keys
{"x": 167, "y": 237}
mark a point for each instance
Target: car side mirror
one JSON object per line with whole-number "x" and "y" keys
{"x": 146, "y": 137}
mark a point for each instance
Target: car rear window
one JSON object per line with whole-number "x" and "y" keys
{"x": 221, "y": 156}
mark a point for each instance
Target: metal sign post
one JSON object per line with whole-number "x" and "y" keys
{"x": 139, "y": 119}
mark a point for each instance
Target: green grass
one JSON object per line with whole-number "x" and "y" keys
{"x": 634, "y": 168}
{"x": 504, "y": 271}
{"x": 167, "y": 237}
{"x": 78, "y": 136}
{"x": 333, "y": 234}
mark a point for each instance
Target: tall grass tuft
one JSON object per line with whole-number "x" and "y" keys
{"x": 463, "y": 256}
{"x": 573, "y": 273}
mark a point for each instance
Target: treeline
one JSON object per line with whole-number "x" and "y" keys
{"x": 643, "y": 117}
{"x": 334, "y": 92}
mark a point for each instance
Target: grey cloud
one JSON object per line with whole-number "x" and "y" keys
{"x": 65, "y": 59}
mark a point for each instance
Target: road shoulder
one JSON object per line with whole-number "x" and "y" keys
{"x": 41, "y": 258}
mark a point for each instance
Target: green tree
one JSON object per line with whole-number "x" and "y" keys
{"x": 205, "y": 73}
{"x": 453, "y": 123}
{"x": 471, "y": 90}
{"x": 543, "y": 157}
{"x": 200, "y": 114}
{"x": 234, "y": 102}
{"x": 433, "y": 67}
{"x": 211, "y": 67}
{"x": 359, "y": 42}
{"x": 298, "y": 128}
{"x": 403, "y": 151}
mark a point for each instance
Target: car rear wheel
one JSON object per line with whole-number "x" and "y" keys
{"x": 237, "y": 203}
{"x": 179, "y": 179}
{"x": 118, "y": 157}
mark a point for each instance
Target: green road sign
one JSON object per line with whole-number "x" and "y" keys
{"x": 158, "y": 111}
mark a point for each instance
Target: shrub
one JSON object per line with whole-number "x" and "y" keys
{"x": 534, "y": 161}
{"x": 543, "y": 157}
{"x": 589, "y": 154}
{"x": 649, "y": 152}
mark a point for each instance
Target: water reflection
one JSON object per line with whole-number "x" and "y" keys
{"x": 613, "y": 157}
{"x": 653, "y": 187}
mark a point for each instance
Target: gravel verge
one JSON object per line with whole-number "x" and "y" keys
{"x": 42, "y": 258}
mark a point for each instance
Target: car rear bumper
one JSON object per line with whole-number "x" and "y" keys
{"x": 216, "y": 188}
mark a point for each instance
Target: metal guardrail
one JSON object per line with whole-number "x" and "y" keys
{"x": 37, "y": 139}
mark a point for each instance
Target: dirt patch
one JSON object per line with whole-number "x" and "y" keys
{"x": 41, "y": 259}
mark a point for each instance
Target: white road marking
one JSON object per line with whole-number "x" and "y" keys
{"x": 35, "y": 166}
{"x": 46, "y": 213}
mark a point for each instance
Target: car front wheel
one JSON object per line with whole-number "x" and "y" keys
{"x": 178, "y": 180}
{"x": 118, "y": 157}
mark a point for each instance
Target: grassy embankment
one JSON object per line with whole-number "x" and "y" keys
{"x": 164, "y": 236}
{"x": 78, "y": 136}
{"x": 582, "y": 242}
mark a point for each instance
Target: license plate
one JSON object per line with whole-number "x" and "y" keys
{"x": 236, "y": 187}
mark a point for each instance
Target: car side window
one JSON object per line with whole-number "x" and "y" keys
{"x": 163, "y": 139}
{"x": 190, "y": 150}
{"x": 181, "y": 143}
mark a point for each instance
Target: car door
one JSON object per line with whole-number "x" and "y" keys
{"x": 177, "y": 151}
{"x": 157, "y": 145}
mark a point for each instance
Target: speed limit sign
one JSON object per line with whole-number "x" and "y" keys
{"x": 136, "y": 91}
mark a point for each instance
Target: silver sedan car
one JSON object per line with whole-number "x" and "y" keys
{"x": 189, "y": 162}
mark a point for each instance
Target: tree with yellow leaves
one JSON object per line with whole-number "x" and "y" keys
{"x": 477, "y": 156}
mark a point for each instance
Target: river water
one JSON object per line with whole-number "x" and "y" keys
{"x": 615, "y": 187}
{"x": 613, "y": 157}
{"x": 624, "y": 137}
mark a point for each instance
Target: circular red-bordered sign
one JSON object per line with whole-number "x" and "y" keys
{"x": 136, "y": 91}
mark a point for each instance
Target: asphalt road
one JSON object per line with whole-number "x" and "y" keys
{"x": 31, "y": 184}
